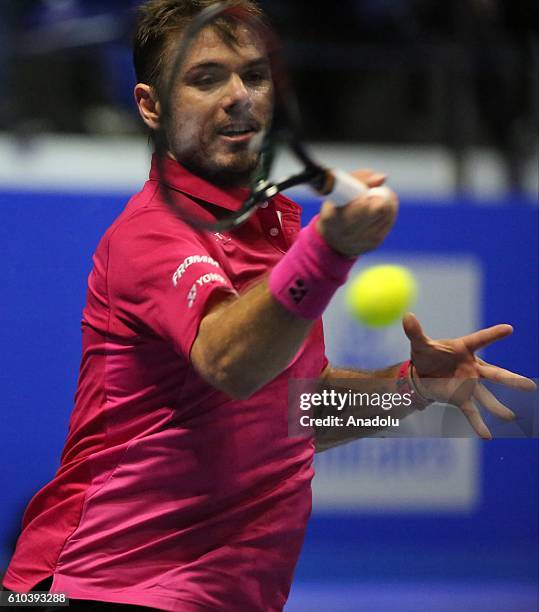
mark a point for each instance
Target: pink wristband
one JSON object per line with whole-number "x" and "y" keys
{"x": 306, "y": 278}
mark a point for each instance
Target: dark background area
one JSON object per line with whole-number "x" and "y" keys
{"x": 459, "y": 74}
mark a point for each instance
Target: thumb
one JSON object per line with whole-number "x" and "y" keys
{"x": 413, "y": 329}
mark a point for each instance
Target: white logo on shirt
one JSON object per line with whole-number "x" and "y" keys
{"x": 192, "y": 296}
{"x": 189, "y": 261}
{"x": 221, "y": 238}
{"x": 211, "y": 277}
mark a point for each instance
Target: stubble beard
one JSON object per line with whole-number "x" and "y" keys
{"x": 227, "y": 165}
{"x": 234, "y": 169}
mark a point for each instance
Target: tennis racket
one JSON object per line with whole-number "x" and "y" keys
{"x": 284, "y": 131}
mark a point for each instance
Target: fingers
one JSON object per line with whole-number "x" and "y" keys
{"x": 471, "y": 412}
{"x": 370, "y": 177}
{"x": 361, "y": 225}
{"x": 504, "y": 377}
{"x": 413, "y": 329}
{"x": 491, "y": 403}
{"x": 484, "y": 337}
{"x": 376, "y": 180}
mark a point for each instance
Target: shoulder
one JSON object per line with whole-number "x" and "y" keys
{"x": 150, "y": 246}
{"x": 147, "y": 223}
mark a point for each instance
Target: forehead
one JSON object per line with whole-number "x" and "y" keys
{"x": 211, "y": 46}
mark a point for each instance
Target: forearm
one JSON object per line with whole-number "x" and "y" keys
{"x": 247, "y": 342}
{"x": 383, "y": 382}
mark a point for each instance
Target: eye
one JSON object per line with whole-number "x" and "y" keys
{"x": 205, "y": 81}
{"x": 256, "y": 77}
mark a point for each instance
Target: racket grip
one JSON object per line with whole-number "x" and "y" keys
{"x": 344, "y": 188}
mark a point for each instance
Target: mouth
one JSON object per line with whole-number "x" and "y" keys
{"x": 238, "y": 133}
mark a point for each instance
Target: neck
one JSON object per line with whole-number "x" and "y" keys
{"x": 221, "y": 178}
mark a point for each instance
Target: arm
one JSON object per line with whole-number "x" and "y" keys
{"x": 364, "y": 381}
{"x": 446, "y": 371}
{"x": 244, "y": 342}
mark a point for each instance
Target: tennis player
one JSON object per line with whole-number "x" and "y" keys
{"x": 179, "y": 487}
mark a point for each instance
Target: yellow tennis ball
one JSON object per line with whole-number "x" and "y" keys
{"x": 381, "y": 295}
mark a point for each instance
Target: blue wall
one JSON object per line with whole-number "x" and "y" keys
{"x": 46, "y": 242}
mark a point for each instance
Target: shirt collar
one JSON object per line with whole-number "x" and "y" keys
{"x": 180, "y": 178}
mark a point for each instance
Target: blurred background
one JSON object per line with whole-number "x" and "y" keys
{"x": 441, "y": 96}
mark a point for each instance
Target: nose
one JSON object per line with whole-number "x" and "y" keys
{"x": 237, "y": 94}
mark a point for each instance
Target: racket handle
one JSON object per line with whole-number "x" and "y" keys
{"x": 342, "y": 188}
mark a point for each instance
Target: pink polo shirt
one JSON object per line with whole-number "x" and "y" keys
{"x": 170, "y": 494}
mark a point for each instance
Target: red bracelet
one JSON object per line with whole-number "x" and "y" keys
{"x": 405, "y": 384}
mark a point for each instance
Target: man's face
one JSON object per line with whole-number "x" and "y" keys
{"x": 222, "y": 101}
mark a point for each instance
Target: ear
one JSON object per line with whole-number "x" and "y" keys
{"x": 148, "y": 105}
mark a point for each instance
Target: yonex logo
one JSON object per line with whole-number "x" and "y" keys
{"x": 211, "y": 277}
{"x": 188, "y": 262}
{"x": 298, "y": 291}
{"x": 203, "y": 280}
{"x": 192, "y": 296}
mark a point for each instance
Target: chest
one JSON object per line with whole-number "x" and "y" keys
{"x": 249, "y": 252}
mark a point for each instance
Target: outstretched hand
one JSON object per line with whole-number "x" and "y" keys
{"x": 449, "y": 371}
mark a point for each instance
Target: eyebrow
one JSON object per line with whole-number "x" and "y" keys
{"x": 260, "y": 61}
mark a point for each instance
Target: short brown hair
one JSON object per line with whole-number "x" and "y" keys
{"x": 157, "y": 21}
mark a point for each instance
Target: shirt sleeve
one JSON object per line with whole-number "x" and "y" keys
{"x": 160, "y": 278}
